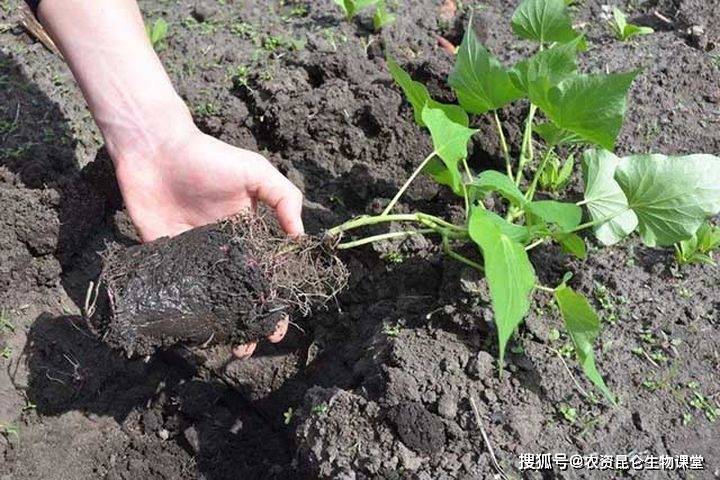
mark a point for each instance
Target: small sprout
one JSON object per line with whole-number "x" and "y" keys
{"x": 383, "y": 16}
{"x": 157, "y": 32}
{"x": 320, "y": 409}
{"x": 569, "y": 413}
{"x": 9, "y": 430}
{"x": 702, "y": 403}
{"x": 5, "y": 324}
{"x": 29, "y": 406}
{"x": 352, "y": 7}
{"x": 6, "y": 352}
{"x": 699, "y": 248}
{"x": 288, "y": 415}
{"x": 624, "y": 30}
{"x": 556, "y": 174}
{"x": 392, "y": 331}
{"x": 687, "y": 419}
{"x": 554, "y": 335}
{"x": 393, "y": 257}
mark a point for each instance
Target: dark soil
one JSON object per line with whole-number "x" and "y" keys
{"x": 380, "y": 386}
{"x": 227, "y": 283}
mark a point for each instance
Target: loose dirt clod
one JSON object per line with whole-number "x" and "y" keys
{"x": 229, "y": 282}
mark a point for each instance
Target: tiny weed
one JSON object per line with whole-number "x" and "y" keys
{"x": 568, "y": 413}
{"x": 623, "y": 30}
{"x": 320, "y": 409}
{"x": 288, "y": 416}
{"x": 393, "y": 257}
{"x": 157, "y": 33}
{"x": 9, "y": 430}
{"x": 700, "y": 402}
{"x": 392, "y": 330}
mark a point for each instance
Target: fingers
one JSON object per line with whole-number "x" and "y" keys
{"x": 244, "y": 351}
{"x": 280, "y": 331}
{"x": 276, "y": 191}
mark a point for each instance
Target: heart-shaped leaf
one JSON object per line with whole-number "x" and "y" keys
{"x": 509, "y": 273}
{"x": 518, "y": 233}
{"x": 572, "y": 243}
{"x": 605, "y": 199}
{"x": 671, "y": 196}
{"x": 583, "y": 325}
{"x": 565, "y": 215}
{"x": 494, "y": 181}
{"x": 544, "y": 21}
{"x": 479, "y": 80}
{"x": 449, "y": 138}
{"x": 593, "y": 106}
{"x": 555, "y": 136}
{"x": 544, "y": 70}
{"x": 417, "y": 94}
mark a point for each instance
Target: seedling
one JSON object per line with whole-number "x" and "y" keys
{"x": 5, "y": 324}
{"x": 666, "y": 198}
{"x": 320, "y": 409}
{"x": 287, "y": 416}
{"x": 556, "y": 175}
{"x": 6, "y": 353}
{"x": 624, "y": 30}
{"x": 9, "y": 430}
{"x": 381, "y": 18}
{"x": 569, "y": 413}
{"x": 699, "y": 248}
{"x": 157, "y": 32}
{"x": 700, "y": 402}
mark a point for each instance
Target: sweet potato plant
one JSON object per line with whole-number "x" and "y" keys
{"x": 665, "y": 198}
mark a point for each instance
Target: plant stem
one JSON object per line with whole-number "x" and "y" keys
{"x": 453, "y": 254}
{"x": 367, "y": 220}
{"x": 503, "y": 144}
{"x": 534, "y": 244}
{"x": 526, "y": 152}
{"x": 545, "y": 289}
{"x": 464, "y": 186}
{"x": 533, "y": 185}
{"x": 407, "y": 184}
{"x": 583, "y": 202}
{"x": 599, "y": 221}
{"x": 384, "y": 236}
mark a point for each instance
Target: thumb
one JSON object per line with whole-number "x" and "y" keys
{"x": 277, "y": 192}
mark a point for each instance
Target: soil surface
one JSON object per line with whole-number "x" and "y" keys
{"x": 382, "y": 384}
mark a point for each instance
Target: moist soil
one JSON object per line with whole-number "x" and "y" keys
{"x": 380, "y": 385}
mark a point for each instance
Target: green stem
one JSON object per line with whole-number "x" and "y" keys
{"x": 503, "y": 144}
{"x": 384, "y": 236}
{"x": 464, "y": 186}
{"x": 599, "y": 221}
{"x": 453, "y": 254}
{"x": 526, "y": 152}
{"x": 535, "y": 244}
{"x": 545, "y": 289}
{"x": 407, "y": 184}
{"x": 367, "y": 220}
{"x": 533, "y": 186}
{"x": 583, "y": 202}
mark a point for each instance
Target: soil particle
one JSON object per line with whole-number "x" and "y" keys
{"x": 418, "y": 428}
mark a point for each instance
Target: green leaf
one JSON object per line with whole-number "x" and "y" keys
{"x": 605, "y": 199}
{"x": 583, "y": 326}
{"x": 437, "y": 170}
{"x": 479, "y": 80}
{"x": 494, "y": 181}
{"x": 593, "y": 106}
{"x": 351, "y": 7}
{"x": 671, "y": 196}
{"x": 509, "y": 273}
{"x": 544, "y": 70}
{"x": 573, "y": 244}
{"x": 518, "y": 233}
{"x": 565, "y": 171}
{"x": 383, "y": 16}
{"x": 554, "y": 136}
{"x": 567, "y": 216}
{"x": 418, "y": 95}
{"x": 544, "y": 21}
{"x": 625, "y": 30}
{"x": 449, "y": 138}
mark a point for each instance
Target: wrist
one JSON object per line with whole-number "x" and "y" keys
{"x": 146, "y": 127}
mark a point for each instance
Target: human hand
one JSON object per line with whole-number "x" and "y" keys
{"x": 194, "y": 179}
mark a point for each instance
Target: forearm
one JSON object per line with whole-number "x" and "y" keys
{"x": 125, "y": 85}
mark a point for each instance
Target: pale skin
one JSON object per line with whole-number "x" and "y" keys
{"x": 172, "y": 176}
